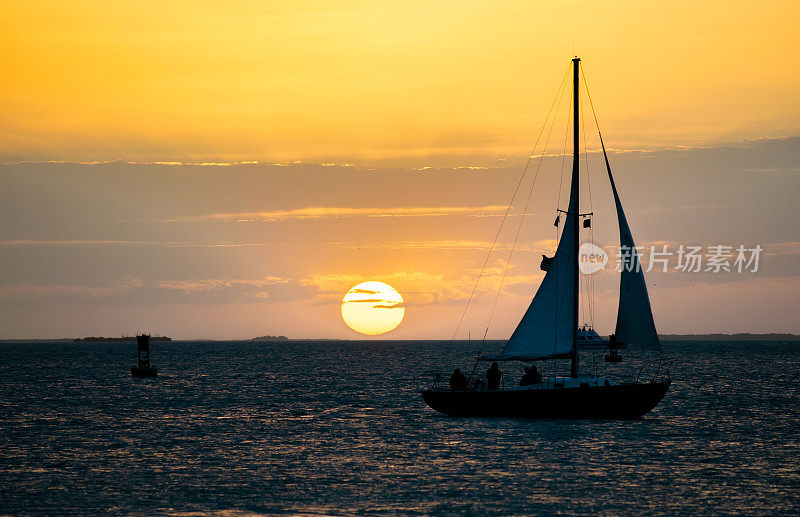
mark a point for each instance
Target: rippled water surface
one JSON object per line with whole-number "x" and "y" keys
{"x": 339, "y": 428}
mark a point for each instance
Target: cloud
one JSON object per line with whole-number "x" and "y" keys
{"x": 29, "y": 292}
{"x": 420, "y": 289}
{"x": 542, "y": 245}
{"x": 164, "y": 162}
{"x": 16, "y": 243}
{"x": 399, "y": 305}
{"x": 157, "y": 291}
{"x": 545, "y": 245}
{"x": 194, "y": 286}
{"x": 345, "y": 212}
{"x": 458, "y": 167}
{"x": 35, "y": 242}
{"x": 787, "y": 169}
{"x": 782, "y": 248}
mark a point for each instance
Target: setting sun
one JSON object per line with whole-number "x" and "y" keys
{"x": 372, "y": 308}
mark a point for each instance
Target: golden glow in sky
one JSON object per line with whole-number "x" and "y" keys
{"x": 310, "y": 80}
{"x": 210, "y": 169}
{"x": 372, "y": 308}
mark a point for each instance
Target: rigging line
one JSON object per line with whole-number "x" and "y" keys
{"x": 589, "y": 283}
{"x": 505, "y": 216}
{"x": 558, "y": 200}
{"x": 558, "y": 203}
{"x": 563, "y": 159}
{"x": 522, "y": 219}
{"x": 584, "y": 293}
{"x": 597, "y": 125}
{"x": 530, "y": 157}
{"x": 586, "y": 86}
{"x": 586, "y": 159}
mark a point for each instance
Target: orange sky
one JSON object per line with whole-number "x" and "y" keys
{"x": 380, "y": 141}
{"x": 316, "y": 80}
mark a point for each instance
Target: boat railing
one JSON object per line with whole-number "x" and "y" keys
{"x": 437, "y": 379}
{"x": 662, "y": 366}
{"x": 478, "y": 383}
{"x": 661, "y": 369}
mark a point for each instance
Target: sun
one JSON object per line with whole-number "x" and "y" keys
{"x": 372, "y": 308}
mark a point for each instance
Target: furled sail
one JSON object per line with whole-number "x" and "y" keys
{"x": 635, "y": 324}
{"x": 546, "y": 330}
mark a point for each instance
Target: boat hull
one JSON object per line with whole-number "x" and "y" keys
{"x": 620, "y": 401}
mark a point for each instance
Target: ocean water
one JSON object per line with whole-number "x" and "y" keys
{"x": 339, "y": 428}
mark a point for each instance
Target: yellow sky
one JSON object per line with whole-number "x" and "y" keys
{"x": 315, "y": 79}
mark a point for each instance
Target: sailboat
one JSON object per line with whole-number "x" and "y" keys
{"x": 549, "y": 330}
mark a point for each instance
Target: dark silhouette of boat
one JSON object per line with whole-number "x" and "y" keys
{"x": 578, "y": 397}
{"x": 549, "y": 330}
{"x": 143, "y": 368}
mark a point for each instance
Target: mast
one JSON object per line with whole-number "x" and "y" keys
{"x": 575, "y": 195}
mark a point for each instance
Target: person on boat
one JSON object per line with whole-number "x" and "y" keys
{"x": 532, "y": 376}
{"x": 536, "y": 377}
{"x": 457, "y": 381}
{"x": 493, "y": 375}
{"x": 526, "y": 377}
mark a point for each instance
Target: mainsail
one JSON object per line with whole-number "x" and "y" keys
{"x": 635, "y": 324}
{"x": 549, "y": 327}
{"x": 546, "y": 330}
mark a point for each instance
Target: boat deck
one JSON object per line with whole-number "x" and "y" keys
{"x": 582, "y": 398}
{"x": 582, "y": 381}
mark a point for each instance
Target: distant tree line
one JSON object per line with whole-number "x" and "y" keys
{"x": 95, "y": 339}
{"x": 732, "y": 337}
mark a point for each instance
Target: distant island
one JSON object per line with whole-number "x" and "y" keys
{"x": 270, "y": 338}
{"x": 742, "y": 336}
{"x": 95, "y": 339}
